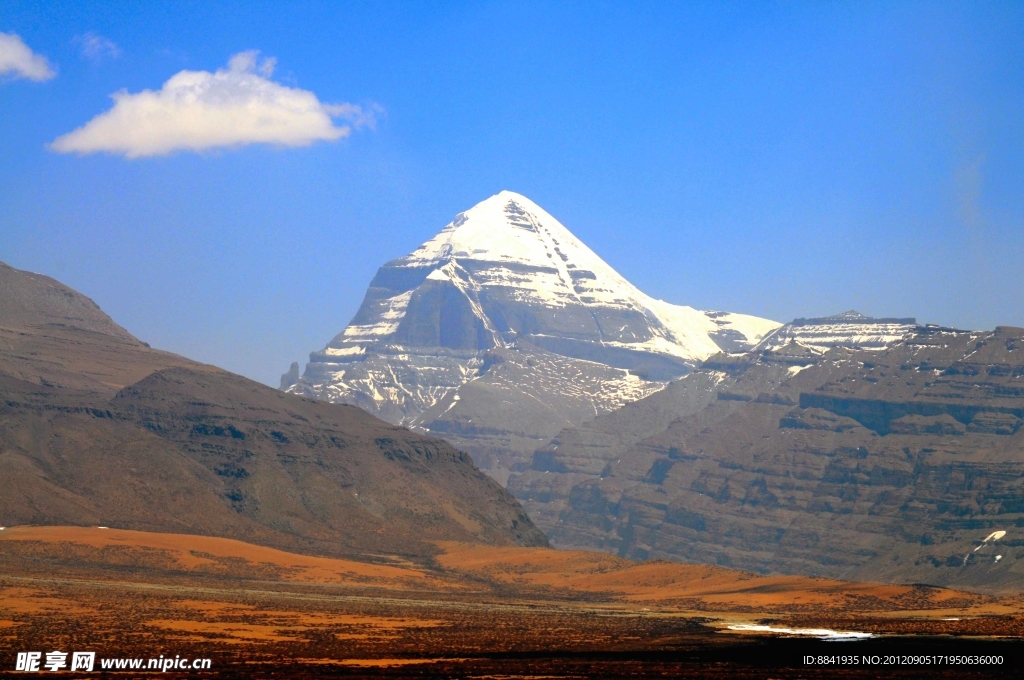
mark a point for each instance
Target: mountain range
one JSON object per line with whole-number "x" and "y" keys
{"x": 843, "y": 446}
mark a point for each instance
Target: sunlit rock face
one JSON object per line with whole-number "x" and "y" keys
{"x": 505, "y": 328}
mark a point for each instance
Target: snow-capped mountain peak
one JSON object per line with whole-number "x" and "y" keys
{"x": 523, "y": 247}
{"x": 508, "y": 227}
{"x": 501, "y": 291}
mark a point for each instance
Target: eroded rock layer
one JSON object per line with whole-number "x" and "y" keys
{"x": 893, "y": 464}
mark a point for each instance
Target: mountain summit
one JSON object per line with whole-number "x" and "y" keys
{"x": 504, "y": 283}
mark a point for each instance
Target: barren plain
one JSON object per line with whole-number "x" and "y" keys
{"x": 476, "y": 611}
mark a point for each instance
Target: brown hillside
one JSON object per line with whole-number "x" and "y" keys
{"x": 96, "y": 428}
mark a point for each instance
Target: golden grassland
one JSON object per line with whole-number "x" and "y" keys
{"x": 132, "y": 593}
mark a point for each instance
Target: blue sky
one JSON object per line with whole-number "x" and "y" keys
{"x": 782, "y": 159}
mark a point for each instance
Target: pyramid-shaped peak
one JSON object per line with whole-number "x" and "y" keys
{"x": 509, "y": 254}
{"x": 504, "y": 197}
{"x": 506, "y": 209}
{"x": 509, "y": 228}
{"x": 505, "y": 276}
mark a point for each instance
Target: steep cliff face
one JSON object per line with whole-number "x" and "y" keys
{"x": 504, "y": 328}
{"x": 891, "y": 464}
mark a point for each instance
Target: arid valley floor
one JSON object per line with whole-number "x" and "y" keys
{"x": 474, "y": 612}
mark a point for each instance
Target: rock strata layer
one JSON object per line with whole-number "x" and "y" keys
{"x": 893, "y": 463}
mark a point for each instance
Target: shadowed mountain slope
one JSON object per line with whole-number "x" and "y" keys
{"x": 96, "y": 428}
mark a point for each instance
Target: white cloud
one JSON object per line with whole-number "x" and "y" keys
{"x": 199, "y": 110}
{"x": 95, "y": 47}
{"x": 18, "y": 61}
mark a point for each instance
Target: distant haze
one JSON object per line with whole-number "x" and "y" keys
{"x": 781, "y": 160}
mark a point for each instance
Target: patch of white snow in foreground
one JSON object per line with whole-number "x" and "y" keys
{"x": 823, "y": 633}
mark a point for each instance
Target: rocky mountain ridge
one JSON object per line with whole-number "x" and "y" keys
{"x": 892, "y": 463}
{"x": 581, "y": 454}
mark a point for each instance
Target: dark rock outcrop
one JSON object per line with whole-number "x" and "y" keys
{"x": 291, "y": 377}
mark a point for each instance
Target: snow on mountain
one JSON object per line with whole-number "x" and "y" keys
{"x": 508, "y": 242}
{"x": 504, "y": 283}
{"x": 851, "y": 330}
